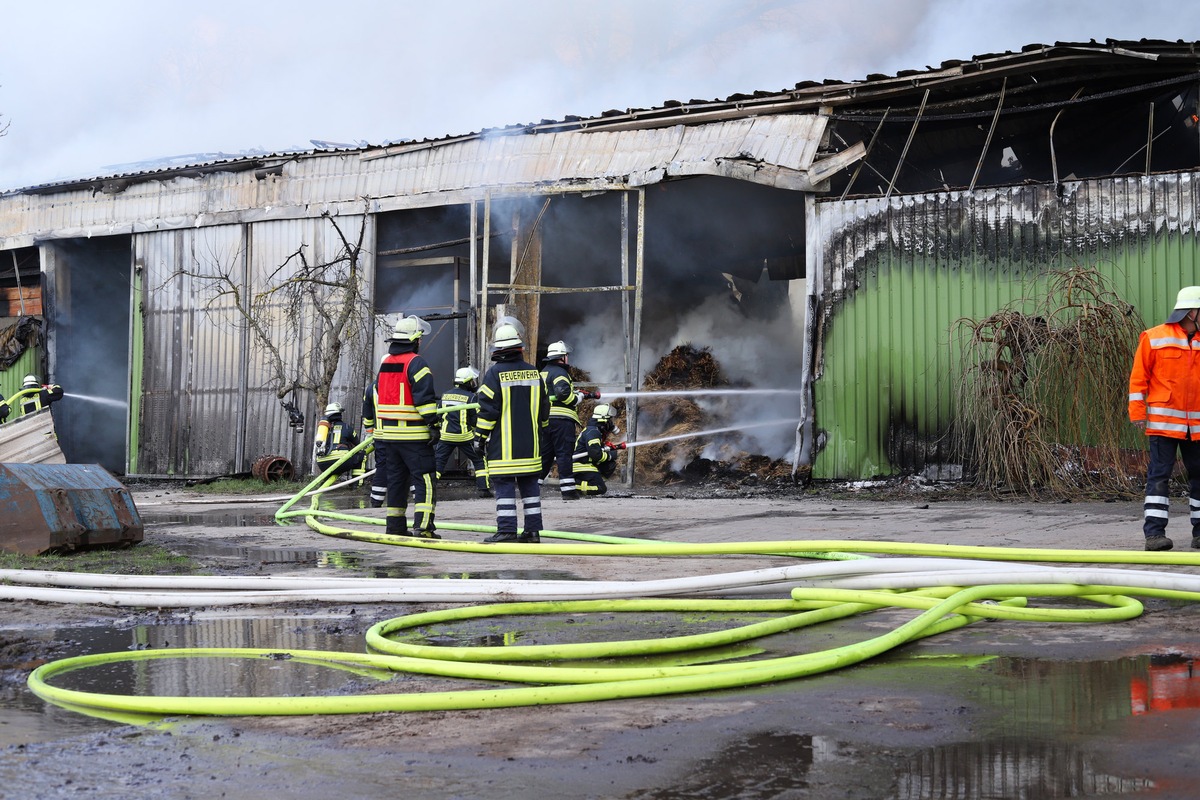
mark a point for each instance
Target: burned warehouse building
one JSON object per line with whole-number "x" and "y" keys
{"x": 825, "y": 246}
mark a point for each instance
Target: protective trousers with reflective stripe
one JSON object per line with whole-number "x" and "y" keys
{"x": 558, "y": 448}
{"x": 1158, "y": 483}
{"x": 379, "y": 481}
{"x": 507, "y": 487}
{"x": 408, "y": 464}
{"x": 441, "y": 457}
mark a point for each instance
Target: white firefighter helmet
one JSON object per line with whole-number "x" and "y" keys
{"x": 557, "y": 350}
{"x": 333, "y": 408}
{"x": 31, "y": 382}
{"x": 507, "y": 337}
{"x": 1187, "y": 299}
{"x": 410, "y": 329}
{"x": 465, "y": 375}
{"x": 605, "y": 414}
{"x": 509, "y": 319}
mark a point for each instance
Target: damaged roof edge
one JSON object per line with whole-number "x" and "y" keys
{"x": 804, "y": 96}
{"x": 773, "y": 151}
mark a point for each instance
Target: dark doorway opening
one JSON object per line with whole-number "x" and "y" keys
{"x": 90, "y": 330}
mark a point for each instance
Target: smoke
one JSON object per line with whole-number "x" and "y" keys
{"x": 194, "y": 81}
{"x": 754, "y": 352}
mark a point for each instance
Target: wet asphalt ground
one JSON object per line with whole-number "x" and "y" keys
{"x": 995, "y": 710}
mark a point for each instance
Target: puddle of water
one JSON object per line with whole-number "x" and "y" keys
{"x": 25, "y": 718}
{"x": 1033, "y": 729}
{"x": 356, "y": 562}
{"x": 1028, "y": 727}
{"x": 783, "y": 764}
{"x": 217, "y": 517}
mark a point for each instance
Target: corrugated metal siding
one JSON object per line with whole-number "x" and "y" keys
{"x": 314, "y": 182}
{"x": 895, "y": 274}
{"x": 209, "y": 404}
{"x": 30, "y": 362}
{"x": 267, "y": 428}
{"x": 191, "y": 398}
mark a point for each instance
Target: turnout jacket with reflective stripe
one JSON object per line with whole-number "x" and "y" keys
{"x": 403, "y": 398}
{"x": 561, "y": 390}
{"x": 513, "y": 411}
{"x": 591, "y": 454}
{"x": 1164, "y": 385}
{"x": 458, "y": 426}
{"x": 42, "y": 398}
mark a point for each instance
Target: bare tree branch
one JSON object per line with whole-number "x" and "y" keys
{"x": 305, "y": 315}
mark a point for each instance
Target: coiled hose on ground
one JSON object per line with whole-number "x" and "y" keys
{"x": 950, "y": 586}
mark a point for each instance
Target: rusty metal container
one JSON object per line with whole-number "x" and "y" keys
{"x": 64, "y": 507}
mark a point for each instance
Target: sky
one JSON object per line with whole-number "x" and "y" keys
{"x": 89, "y": 88}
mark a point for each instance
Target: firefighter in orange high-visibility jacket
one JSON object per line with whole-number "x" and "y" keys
{"x": 34, "y": 396}
{"x": 334, "y": 438}
{"x": 403, "y": 407}
{"x": 1164, "y": 400}
{"x": 509, "y": 430}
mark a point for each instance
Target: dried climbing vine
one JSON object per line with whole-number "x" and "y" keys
{"x": 1042, "y": 398}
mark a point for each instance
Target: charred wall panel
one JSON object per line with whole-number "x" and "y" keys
{"x": 897, "y": 273}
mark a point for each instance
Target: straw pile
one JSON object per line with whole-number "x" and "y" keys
{"x": 689, "y": 368}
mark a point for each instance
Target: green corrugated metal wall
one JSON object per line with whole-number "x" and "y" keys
{"x": 29, "y": 362}
{"x": 895, "y": 275}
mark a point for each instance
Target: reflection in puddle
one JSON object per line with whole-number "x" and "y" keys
{"x": 779, "y": 764}
{"x": 239, "y": 518}
{"x": 355, "y": 562}
{"x": 25, "y": 718}
{"x": 1035, "y": 730}
{"x": 998, "y": 770}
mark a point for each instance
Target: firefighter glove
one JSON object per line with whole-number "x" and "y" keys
{"x": 481, "y": 446}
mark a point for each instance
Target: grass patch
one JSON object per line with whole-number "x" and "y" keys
{"x": 248, "y": 486}
{"x": 141, "y": 559}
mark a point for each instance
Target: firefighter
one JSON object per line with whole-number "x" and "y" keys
{"x": 458, "y": 429}
{"x": 564, "y": 418}
{"x": 35, "y": 395}
{"x": 1164, "y": 401}
{"x": 378, "y": 492}
{"x": 334, "y": 438}
{"x": 403, "y": 410}
{"x": 3, "y": 411}
{"x": 509, "y": 429}
{"x": 595, "y": 455}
